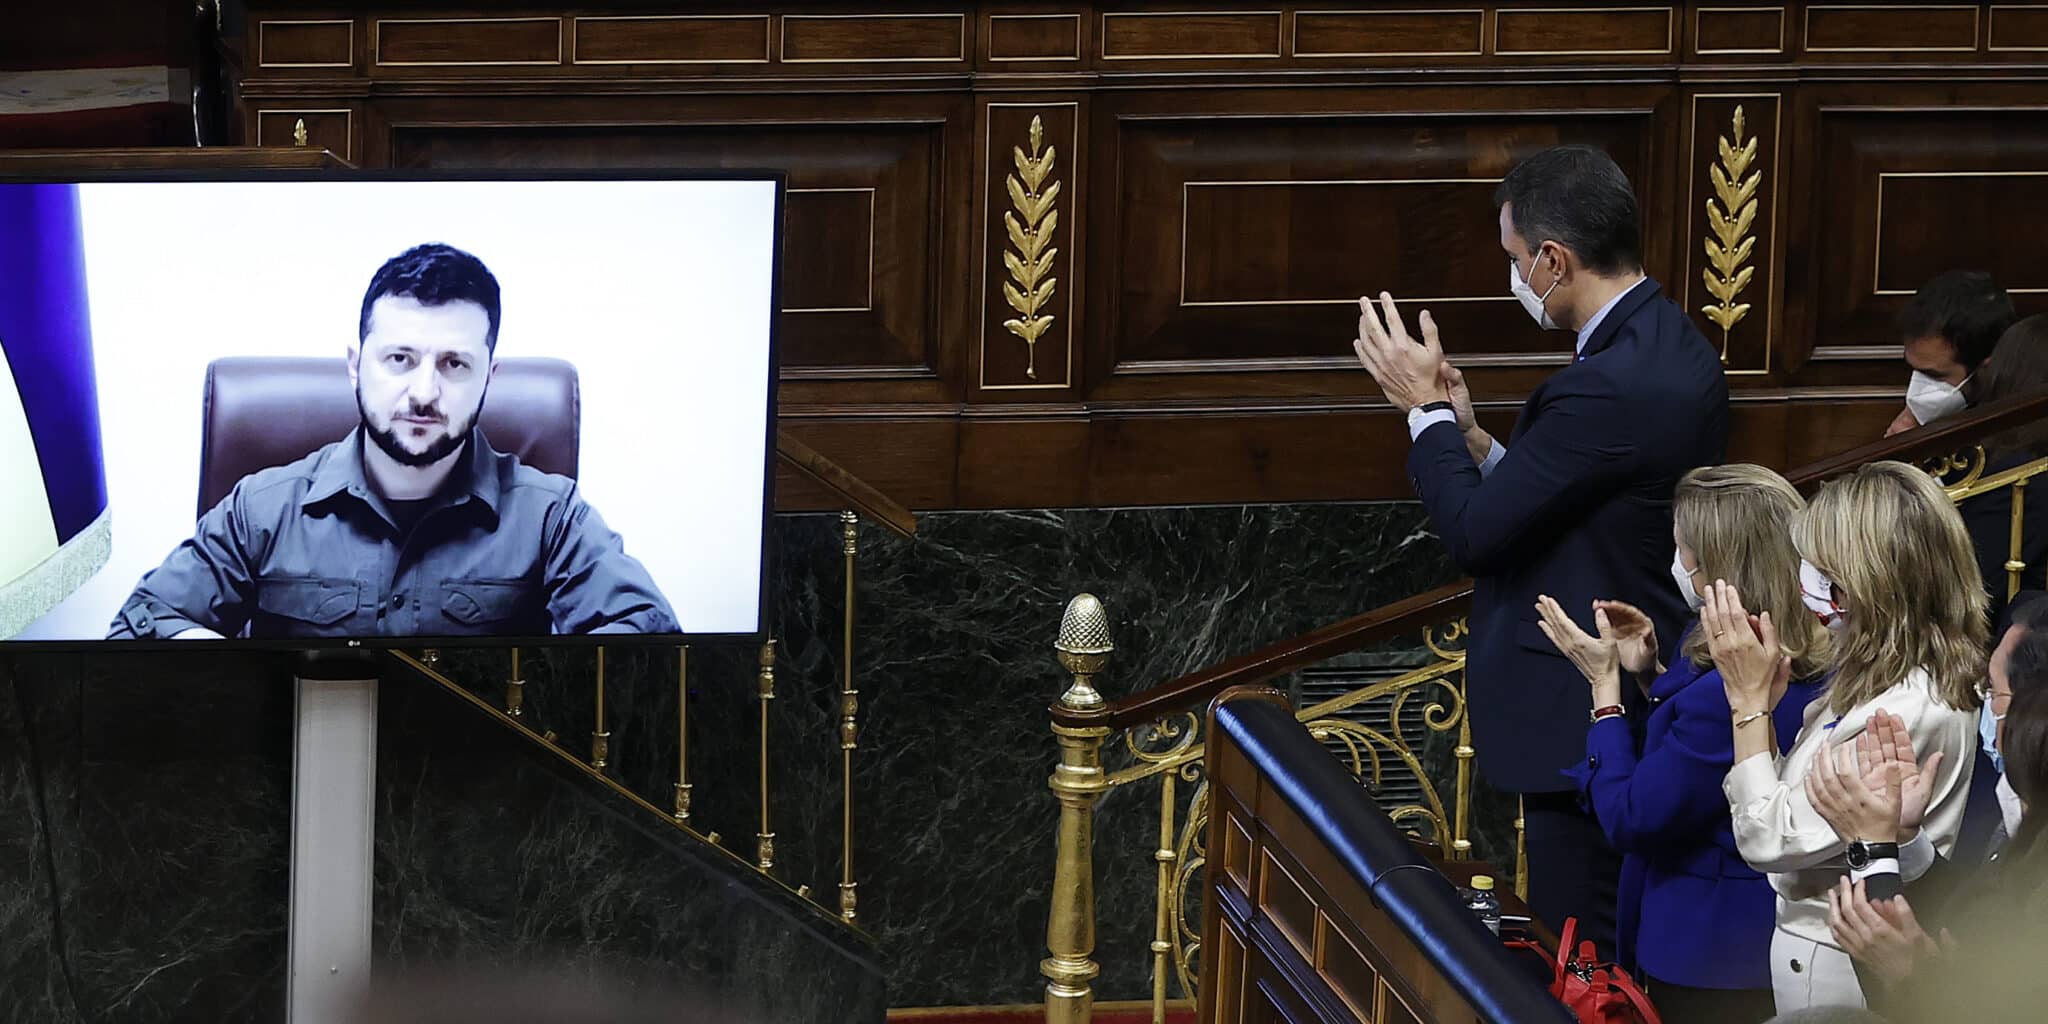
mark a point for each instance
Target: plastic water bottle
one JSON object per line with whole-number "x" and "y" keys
{"x": 1484, "y": 903}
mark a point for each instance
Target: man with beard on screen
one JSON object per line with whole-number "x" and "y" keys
{"x": 412, "y": 525}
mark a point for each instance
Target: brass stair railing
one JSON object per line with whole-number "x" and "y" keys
{"x": 1160, "y": 726}
{"x": 859, "y": 501}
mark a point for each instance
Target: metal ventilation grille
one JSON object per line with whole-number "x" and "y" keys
{"x": 1398, "y": 784}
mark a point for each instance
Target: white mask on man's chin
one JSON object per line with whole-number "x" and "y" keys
{"x": 1531, "y": 301}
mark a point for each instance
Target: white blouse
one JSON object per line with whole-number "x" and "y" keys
{"x": 1779, "y": 832}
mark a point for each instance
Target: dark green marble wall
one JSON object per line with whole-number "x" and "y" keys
{"x": 143, "y": 870}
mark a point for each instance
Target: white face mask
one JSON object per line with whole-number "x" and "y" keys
{"x": 1817, "y": 592}
{"x": 1531, "y": 301}
{"x": 1693, "y": 599}
{"x": 1931, "y": 399}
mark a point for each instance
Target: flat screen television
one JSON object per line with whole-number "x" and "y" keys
{"x": 310, "y": 409}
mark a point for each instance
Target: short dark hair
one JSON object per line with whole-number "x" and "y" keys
{"x": 1577, "y": 197}
{"x": 1964, "y": 307}
{"x": 2026, "y": 668}
{"x": 434, "y": 274}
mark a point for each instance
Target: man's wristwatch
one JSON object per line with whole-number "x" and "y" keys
{"x": 1429, "y": 407}
{"x": 1860, "y": 854}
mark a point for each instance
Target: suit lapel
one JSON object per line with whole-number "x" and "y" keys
{"x": 1610, "y": 325}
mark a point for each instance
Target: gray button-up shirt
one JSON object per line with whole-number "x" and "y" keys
{"x": 311, "y": 550}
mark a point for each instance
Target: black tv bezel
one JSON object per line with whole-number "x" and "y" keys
{"x": 764, "y": 627}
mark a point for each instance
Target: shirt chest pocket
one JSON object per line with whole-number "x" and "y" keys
{"x": 479, "y": 605}
{"x": 306, "y": 605}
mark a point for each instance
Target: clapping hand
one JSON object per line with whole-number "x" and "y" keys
{"x": 1873, "y": 790}
{"x": 1886, "y": 742}
{"x": 1409, "y": 374}
{"x": 1859, "y": 810}
{"x": 1884, "y": 933}
{"x": 1635, "y": 635}
{"x": 1754, "y": 669}
{"x": 1598, "y": 657}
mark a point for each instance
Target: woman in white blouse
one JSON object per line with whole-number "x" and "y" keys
{"x": 1887, "y": 565}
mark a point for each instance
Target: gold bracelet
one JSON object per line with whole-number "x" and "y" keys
{"x": 1751, "y": 717}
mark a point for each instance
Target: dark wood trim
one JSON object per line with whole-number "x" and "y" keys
{"x": 856, "y": 493}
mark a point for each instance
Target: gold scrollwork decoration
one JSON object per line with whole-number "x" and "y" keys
{"x": 1446, "y": 640}
{"x": 1164, "y": 739}
{"x": 1957, "y": 471}
{"x": 1030, "y": 224}
{"x": 1437, "y": 715}
{"x": 299, "y": 132}
{"x": 1731, "y": 222}
{"x": 1192, "y": 857}
{"x": 1362, "y": 745}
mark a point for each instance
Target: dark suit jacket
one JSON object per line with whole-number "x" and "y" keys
{"x": 1579, "y": 509}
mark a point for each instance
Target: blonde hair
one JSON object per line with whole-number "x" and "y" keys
{"x": 1737, "y": 519}
{"x": 1895, "y": 548}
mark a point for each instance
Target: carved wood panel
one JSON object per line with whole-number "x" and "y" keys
{"x": 1244, "y": 243}
{"x": 1230, "y": 177}
{"x": 1731, "y": 253}
{"x": 1911, "y": 193}
{"x": 862, "y": 262}
{"x": 1031, "y": 224}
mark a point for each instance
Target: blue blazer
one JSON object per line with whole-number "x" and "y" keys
{"x": 1689, "y": 911}
{"x": 1580, "y": 508}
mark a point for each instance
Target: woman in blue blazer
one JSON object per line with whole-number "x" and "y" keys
{"x": 1695, "y": 922}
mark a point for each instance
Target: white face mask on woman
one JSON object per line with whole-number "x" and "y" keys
{"x": 1929, "y": 399}
{"x": 1817, "y": 592}
{"x": 1692, "y": 597}
{"x": 1531, "y": 301}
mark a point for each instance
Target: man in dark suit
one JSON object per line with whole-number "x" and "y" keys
{"x": 1576, "y": 504}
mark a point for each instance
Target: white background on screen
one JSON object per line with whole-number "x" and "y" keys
{"x": 658, "y": 292}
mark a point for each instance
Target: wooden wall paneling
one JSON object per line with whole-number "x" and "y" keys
{"x": 1032, "y": 233}
{"x": 2017, "y": 31}
{"x": 1640, "y": 32}
{"x": 288, "y": 45}
{"x": 1044, "y": 454}
{"x": 910, "y": 459}
{"x": 1350, "y": 35}
{"x": 1731, "y": 253}
{"x": 1238, "y": 171}
{"x": 1237, "y": 246}
{"x": 875, "y": 38}
{"x": 1727, "y": 32}
{"x": 1916, "y": 181}
{"x": 670, "y": 39}
{"x": 875, "y": 215}
{"x": 1025, "y": 39}
{"x": 1251, "y": 34}
{"x": 466, "y": 44}
{"x": 329, "y": 125}
{"x": 1922, "y": 31}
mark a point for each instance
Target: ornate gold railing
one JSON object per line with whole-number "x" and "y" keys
{"x": 604, "y": 756}
{"x": 1159, "y": 739}
{"x": 1962, "y": 474}
{"x": 1159, "y": 726}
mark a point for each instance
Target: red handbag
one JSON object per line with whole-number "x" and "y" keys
{"x": 1595, "y": 992}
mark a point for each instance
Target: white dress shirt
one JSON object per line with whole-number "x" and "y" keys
{"x": 1779, "y": 832}
{"x": 1418, "y": 424}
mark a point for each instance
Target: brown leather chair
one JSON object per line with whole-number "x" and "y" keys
{"x": 263, "y": 411}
